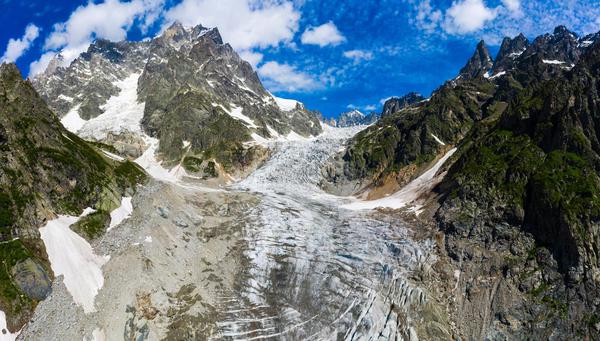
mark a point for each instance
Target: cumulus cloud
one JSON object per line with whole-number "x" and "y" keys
{"x": 284, "y": 77}
{"x": 467, "y": 16}
{"x": 358, "y": 55}
{"x": 326, "y": 34}
{"x": 254, "y": 58}
{"x": 244, "y": 24}
{"x": 427, "y": 18}
{"x": 17, "y": 47}
{"x": 512, "y": 5}
{"x": 111, "y": 20}
{"x": 41, "y": 64}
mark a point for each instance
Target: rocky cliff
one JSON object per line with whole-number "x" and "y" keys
{"x": 519, "y": 204}
{"x": 45, "y": 170}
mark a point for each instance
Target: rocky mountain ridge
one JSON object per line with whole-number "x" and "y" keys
{"x": 355, "y": 118}
{"x": 196, "y": 91}
{"x": 517, "y": 207}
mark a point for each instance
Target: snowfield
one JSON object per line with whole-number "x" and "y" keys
{"x": 122, "y": 113}
{"x": 72, "y": 257}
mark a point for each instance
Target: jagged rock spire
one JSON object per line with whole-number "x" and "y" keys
{"x": 479, "y": 63}
{"x": 509, "y": 51}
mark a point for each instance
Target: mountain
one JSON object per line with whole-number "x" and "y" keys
{"x": 45, "y": 170}
{"x": 355, "y": 118}
{"x": 517, "y": 203}
{"x": 396, "y": 104}
{"x": 478, "y": 64}
{"x": 185, "y": 88}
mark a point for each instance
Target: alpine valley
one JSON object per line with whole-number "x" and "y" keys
{"x": 155, "y": 190}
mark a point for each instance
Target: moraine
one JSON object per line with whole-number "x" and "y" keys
{"x": 270, "y": 257}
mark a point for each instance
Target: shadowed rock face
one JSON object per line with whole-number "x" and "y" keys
{"x": 44, "y": 170}
{"x": 192, "y": 85}
{"x": 396, "y": 104}
{"x": 509, "y": 51}
{"x": 479, "y": 63}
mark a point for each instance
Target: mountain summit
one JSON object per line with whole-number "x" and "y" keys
{"x": 185, "y": 88}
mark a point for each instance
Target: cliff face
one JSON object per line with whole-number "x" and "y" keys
{"x": 44, "y": 170}
{"x": 519, "y": 205}
{"x": 526, "y": 193}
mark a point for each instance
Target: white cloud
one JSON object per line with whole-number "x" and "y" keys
{"x": 41, "y": 64}
{"x": 467, "y": 16}
{"x": 16, "y": 47}
{"x": 427, "y": 18}
{"x": 512, "y": 5}
{"x": 284, "y": 77}
{"x": 370, "y": 107}
{"x": 244, "y": 24}
{"x": 358, "y": 55}
{"x": 111, "y": 20}
{"x": 254, "y": 58}
{"x": 326, "y": 34}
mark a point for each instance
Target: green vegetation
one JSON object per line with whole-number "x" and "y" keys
{"x": 12, "y": 252}
{"x": 192, "y": 164}
{"x": 92, "y": 225}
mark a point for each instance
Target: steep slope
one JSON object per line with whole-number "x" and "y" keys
{"x": 200, "y": 99}
{"x": 519, "y": 204}
{"x": 402, "y": 145}
{"x": 44, "y": 170}
{"x": 529, "y": 189}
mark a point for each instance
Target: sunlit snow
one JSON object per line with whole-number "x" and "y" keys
{"x": 121, "y": 213}
{"x": 72, "y": 257}
{"x": 121, "y": 113}
{"x": 5, "y": 335}
{"x": 72, "y": 121}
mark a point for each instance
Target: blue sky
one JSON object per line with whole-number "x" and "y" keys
{"x": 331, "y": 55}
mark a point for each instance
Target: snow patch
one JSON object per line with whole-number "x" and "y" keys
{"x": 121, "y": 213}
{"x": 148, "y": 239}
{"x": 552, "y": 61}
{"x": 72, "y": 121}
{"x": 407, "y": 195}
{"x": 113, "y": 156}
{"x": 499, "y": 74}
{"x": 73, "y": 257}
{"x": 5, "y": 335}
{"x": 236, "y": 112}
{"x": 154, "y": 167}
{"x": 438, "y": 140}
{"x": 122, "y": 113}
{"x": 65, "y": 98}
{"x": 285, "y": 104}
{"x": 97, "y": 335}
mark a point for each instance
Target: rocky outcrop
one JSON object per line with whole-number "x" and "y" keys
{"x": 396, "y": 104}
{"x": 478, "y": 64}
{"x": 509, "y": 51}
{"x": 44, "y": 170}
